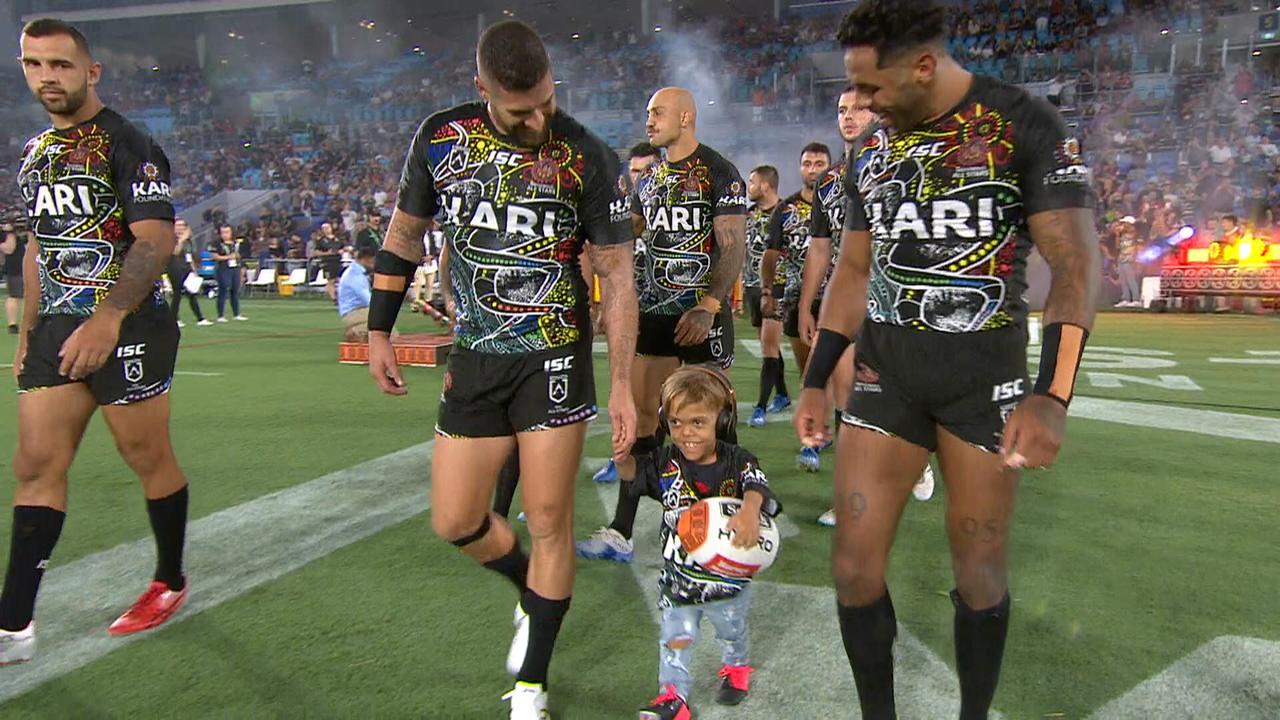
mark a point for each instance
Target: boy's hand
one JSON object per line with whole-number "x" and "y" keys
{"x": 745, "y": 527}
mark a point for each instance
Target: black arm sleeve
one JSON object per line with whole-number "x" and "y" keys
{"x": 773, "y": 235}
{"x": 1050, "y": 166}
{"x": 819, "y": 221}
{"x": 418, "y": 195}
{"x": 855, "y": 213}
{"x": 140, "y": 173}
{"x": 603, "y": 214}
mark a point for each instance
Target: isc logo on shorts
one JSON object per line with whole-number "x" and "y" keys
{"x": 559, "y": 364}
{"x": 128, "y": 351}
{"x": 1007, "y": 391}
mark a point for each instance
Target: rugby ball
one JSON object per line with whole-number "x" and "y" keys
{"x": 707, "y": 541}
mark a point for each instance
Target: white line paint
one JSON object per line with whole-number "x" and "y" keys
{"x": 795, "y": 648}
{"x": 1170, "y": 417}
{"x": 1246, "y": 361}
{"x": 289, "y": 529}
{"x": 1231, "y": 678}
{"x": 198, "y": 374}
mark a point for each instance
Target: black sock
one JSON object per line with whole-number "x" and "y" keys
{"x": 508, "y": 476}
{"x": 624, "y": 515}
{"x": 979, "y": 636}
{"x": 868, "y": 634}
{"x": 514, "y": 566}
{"x": 780, "y": 377}
{"x": 545, "y": 617}
{"x": 35, "y": 532}
{"x": 169, "y": 524}
{"x": 767, "y": 380}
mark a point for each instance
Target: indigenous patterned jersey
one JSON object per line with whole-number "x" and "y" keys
{"x": 789, "y": 235}
{"x": 666, "y": 476}
{"x": 947, "y": 204}
{"x": 83, "y": 186}
{"x": 757, "y": 240}
{"x": 679, "y": 202}
{"x": 831, "y": 198}
{"x": 515, "y": 220}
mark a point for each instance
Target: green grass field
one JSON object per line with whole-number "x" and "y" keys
{"x": 1140, "y": 546}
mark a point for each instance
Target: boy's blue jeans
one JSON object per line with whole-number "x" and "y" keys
{"x": 680, "y": 625}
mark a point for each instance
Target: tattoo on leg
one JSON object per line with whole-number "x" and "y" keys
{"x": 987, "y": 531}
{"x": 856, "y": 504}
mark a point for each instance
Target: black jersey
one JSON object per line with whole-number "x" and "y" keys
{"x": 757, "y": 243}
{"x": 666, "y": 476}
{"x": 679, "y": 202}
{"x": 789, "y": 235}
{"x": 947, "y": 204}
{"x": 515, "y": 220}
{"x": 83, "y": 186}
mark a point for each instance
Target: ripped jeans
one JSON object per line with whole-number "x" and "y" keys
{"x": 682, "y": 623}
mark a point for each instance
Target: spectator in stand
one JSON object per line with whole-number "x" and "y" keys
{"x": 328, "y": 249}
{"x": 371, "y": 235}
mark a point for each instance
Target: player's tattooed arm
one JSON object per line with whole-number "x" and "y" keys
{"x": 614, "y": 265}
{"x": 404, "y": 235}
{"x": 849, "y": 284}
{"x": 1068, "y": 241}
{"x": 731, "y": 238}
{"x": 145, "y": 261}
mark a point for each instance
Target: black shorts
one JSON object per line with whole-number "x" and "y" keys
{"x": 908, "y": 382}
{"x": 333, "y": 268}
{"x": 140, "y": 369}
{"x": 658, "y": 339}
{"x": 491, "y": 395}
{"x": 791, "y": 320}
{"x": 14, "y": 283}
{"x": 751, "y": 296}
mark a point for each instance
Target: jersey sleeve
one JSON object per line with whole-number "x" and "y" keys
{"x": 1052, "y": 172}
{"x": 773, "y": 231}
{"x": 820, "y": 220}
{"x": 140, "y": 172}
{"x": 604, "y": 216}
{"x": 729, "y": 190}
{"x": 751, "y": 477}
{"x": 855, "y": 213}
{"x": 418, "y": 195}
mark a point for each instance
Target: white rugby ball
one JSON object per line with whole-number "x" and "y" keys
{"x": 703, "y": 533}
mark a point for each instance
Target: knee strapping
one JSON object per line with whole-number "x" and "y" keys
{"x": 484, "y": 530}
{"x": 680, "y": 642}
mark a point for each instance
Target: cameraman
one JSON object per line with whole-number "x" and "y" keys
{"x": 13, "y": 246}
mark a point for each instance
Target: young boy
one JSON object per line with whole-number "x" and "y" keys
{"x": 698, "y": 403}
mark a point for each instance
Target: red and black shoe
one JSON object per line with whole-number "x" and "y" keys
{"x": 667, "y": 706}
{"x": 152, "y": 608}
{"x": 737, "y": 681}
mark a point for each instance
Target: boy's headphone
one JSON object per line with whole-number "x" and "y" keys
{"x": 726, "y": 420}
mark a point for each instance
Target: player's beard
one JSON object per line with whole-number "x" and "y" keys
{"x": 67, "y": 103}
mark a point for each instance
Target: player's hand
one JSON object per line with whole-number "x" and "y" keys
{"x": 19, "y": 356}
{"x": 622, "y": 415}
{"x": 769, "y": 306}
{"x": 808, "y": 328}
{"x": 694, "y": 326}
{"x": 1033, "y": 433}
{"x": 383, "y": 366}
{"x": 810, "y": 418}
{"x": 90, "y": 346}
{"x": 745, "y": 527}
{"x": 451, "y": 312}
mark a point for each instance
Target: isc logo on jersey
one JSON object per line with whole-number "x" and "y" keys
{"x": 936, "y": 220}
{"x": 510, "y": 218}
{"x": 150, "y": 188}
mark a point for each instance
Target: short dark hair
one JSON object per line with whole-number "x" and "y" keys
{"x": 512, "y": 54}
{"x": 893, "y": 26}
{"x": 643, "y": 149}
{"x": 366, "y": 250}
{"x": 47, "y": 27}
{"x": 816, "y": 147}
{"x": 768, "y": 174}
{"x": 1232, "y": 219}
